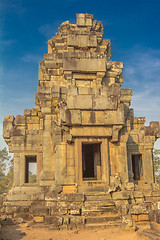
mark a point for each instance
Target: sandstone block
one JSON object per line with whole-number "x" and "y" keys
{"x": 38, "y": 219}
{"x": 9, "y": 118}
{"x": 129, "y": 186}
{"x": 82, "y": 40}
{"x": 66, "y": 220}
{"x": 77, "y": 221}
{"x": 79, "y": 102}
{"x": 84, "y": 19}
{"x": 39, "y": 210}
{"x": 143, "y": 217}
{"x": 101, "y": 103}
{"x": 135, "y": 217}
{"x": 84, "y": 65}
{"x": 7, "y": 128}
{"x": 69, "y": 189}
{"x": 76, "y": 117}
{"x": 122, "y": 195}
{"x": 72, "y": 90}
{"x": 53, "y": 220}
{"x": 85, "y": 91}
{"x": 20, "y": 120}
{"x": 75, "y": 211}
{"x": 142, "y": 208}
{"x": 71, "y": 197}
{"x": 128, "y": 222}
{"x": 138, "y": 194}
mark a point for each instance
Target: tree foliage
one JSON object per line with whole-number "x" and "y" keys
{"x": 156, "y": 159}
{"x": 32, "y": 177}
{"x": 6, "y": 171}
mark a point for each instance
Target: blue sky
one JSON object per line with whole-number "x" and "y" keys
{"x": 132, "y": 26}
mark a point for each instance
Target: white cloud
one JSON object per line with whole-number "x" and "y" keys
{"x": 146, "y": 104}
{"x": 48, "y": 30}
{"x": 142, "y": 74}
{"x": 142, "y": 64}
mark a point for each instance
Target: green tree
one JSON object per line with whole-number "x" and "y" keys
{"x": 156, "y": 160}
{"x": 32, "y": 177}
{"x": 6, "y": 171}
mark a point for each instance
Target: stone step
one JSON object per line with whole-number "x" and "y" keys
{"x": 105, "y": 203}
{"x": 105, "y": 219}
{"x": 92, "y": 210}
{"x": 150, "y": 234}
{"x": 97, "y": 197}
{"x": 97, "y": 193}
{"x": 102, "y": 225}
{"x": 94, "y": 213}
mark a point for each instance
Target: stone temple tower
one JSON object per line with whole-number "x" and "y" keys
{"x": 81, "y": 135}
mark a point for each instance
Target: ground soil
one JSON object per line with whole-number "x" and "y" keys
{"x": 21, "y": 231}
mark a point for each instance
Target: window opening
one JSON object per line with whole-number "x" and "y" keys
{"x": 91, "y": 161}
{"x": 31, "y": 169}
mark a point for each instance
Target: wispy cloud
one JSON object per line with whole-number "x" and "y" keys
{"x": 31, "y": 58}
{"x": 143, "y": 65}
{"x": 6, "y": 43}
{"x": 142, "y": 74}
{"x": 146, "y": 103}
{"x": 48, "y": 30}
{"x": 12, "y": 6}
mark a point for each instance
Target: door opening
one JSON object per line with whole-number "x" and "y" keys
{"x": 91, "y": 161}
{"x": 136, "y": 166}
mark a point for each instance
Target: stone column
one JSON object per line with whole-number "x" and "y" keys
{"x": 22, "y": 169}
{"x": 105, "y": 161}
{"x": 61, "y": 166}
{"x": 122, "y": 162}
{"x": 147, "y": 163}
{"x": 16, "y": 169}
{"x": 48, "y": 151}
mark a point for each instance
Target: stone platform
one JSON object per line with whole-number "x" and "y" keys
{"x": 87, "y": 210}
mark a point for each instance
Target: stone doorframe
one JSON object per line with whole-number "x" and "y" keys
{"x": 105, "y": 162}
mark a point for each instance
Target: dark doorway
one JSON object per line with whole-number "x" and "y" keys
{"x": 91, "y": 161}
{"x": 31, "y": 169}
{"x": 136, "y": 166}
